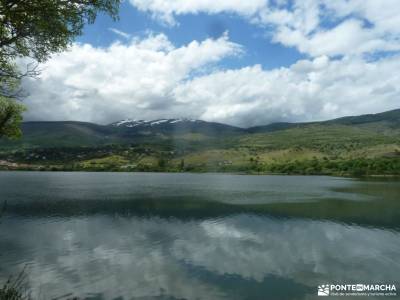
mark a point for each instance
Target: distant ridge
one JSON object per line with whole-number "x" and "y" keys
{"x": 74, "y": 134}
{"x": 392, "y": 116}
{"x": 348, "y": 146}
{"x": 388, "y": 116}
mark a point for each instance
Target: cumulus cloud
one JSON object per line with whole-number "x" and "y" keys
{"x": 314, "y": 27}
{"x": 106, "y": 84}
{"x": 336, "y": 28}
{"x": 150, "y": 79}
{"x": 308, "y": 90}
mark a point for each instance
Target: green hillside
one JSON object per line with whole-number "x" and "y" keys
{"x": 363, "y": 145}
{"x": 388, "y": 120}
{"x": 61, "y": 134}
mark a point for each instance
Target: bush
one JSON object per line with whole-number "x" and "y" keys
{"x": 14, "y": 289}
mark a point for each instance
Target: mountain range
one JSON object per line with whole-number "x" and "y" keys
{"x": 201, "y": 145}
{"x": 74, "y": 134}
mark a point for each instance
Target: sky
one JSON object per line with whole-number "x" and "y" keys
{"x": 243, "y": 63}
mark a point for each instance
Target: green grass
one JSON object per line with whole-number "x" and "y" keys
{"x": 326, "y": 138}
{"x": 334, "y": 149}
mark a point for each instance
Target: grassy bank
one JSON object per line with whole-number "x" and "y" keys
{"x": 314, "y": 166}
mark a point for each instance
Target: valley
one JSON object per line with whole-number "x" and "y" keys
{"x": 350, "y": 146}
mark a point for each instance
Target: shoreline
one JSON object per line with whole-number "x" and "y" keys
{"x": 214, "y": 172}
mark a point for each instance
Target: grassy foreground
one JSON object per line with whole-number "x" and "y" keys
{"x": 313, "y": 149}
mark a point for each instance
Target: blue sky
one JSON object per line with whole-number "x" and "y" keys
{"x": 259, "y": 50}
{"x": 243, "y": 63}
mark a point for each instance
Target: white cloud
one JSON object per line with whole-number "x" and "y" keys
{"x": 105, "y": 84}
{"x": 150, "y": 79}
{"x": 348, "y": 38}
{"x": 309, "y": 90}
{"x": 149, "y": 261}
{"x": 354, "y": 27}
{"x": 166, "y": 10}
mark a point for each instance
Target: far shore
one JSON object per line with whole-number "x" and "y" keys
{"x": 215, "y": 172}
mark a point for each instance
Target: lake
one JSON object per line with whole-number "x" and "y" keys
{"x": 196, "y": 236}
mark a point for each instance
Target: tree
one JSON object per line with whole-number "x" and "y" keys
{"x": 161, "y": 163}
{"x": 182, "y": 165}
{"x": 35, "y": 29}
{"x": 10, "y": 117}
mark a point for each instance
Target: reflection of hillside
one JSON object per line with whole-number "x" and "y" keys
{"x": 362, "y": 213}
{"x": 194, "y": 196}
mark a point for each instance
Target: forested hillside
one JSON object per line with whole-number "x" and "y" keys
{"x": 362, "y": 145}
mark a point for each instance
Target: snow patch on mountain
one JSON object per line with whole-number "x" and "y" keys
{"x": 134, "y": 123}
{"x": 158, "y": 122}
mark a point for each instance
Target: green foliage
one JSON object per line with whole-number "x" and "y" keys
{"x": 350, "y": 167}
{"x": 10, "y": 109}
{"x": 39, "y": 28}
{"x": 182, "y": 165}
{"x": 10, "y": 117}
{"x": 36, "y": 29}
{"x": 161, "y": 163}
{"x": 345, "y": 150}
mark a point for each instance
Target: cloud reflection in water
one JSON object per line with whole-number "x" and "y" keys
{"x": 218, "y": 258}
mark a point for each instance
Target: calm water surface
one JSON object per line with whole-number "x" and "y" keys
{"x": 192, "y": 236}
